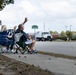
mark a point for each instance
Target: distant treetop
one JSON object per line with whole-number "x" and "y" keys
{"x": 3, "y": 3}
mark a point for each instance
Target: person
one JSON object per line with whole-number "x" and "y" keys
{"x": 3, "y": 28}
{"x": 26, "y": 38}
{"x": 11, "y": 47}
{"x": 15, "y": 28}
{"x": 8, "y": 40}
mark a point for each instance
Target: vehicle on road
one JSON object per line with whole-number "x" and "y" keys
{"x": 43, "y": 36}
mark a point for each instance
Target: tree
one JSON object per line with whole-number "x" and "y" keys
{"x": 73, "y": 35}
{"x": 54, "y": 32}
{"x": 3, "y": 3}
{"x": 69, "y": 34}
{"x": 51, "y": 32}
{"x": 62, "y": 33}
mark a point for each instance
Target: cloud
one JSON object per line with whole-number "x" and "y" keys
{"x": 52, "y": 12}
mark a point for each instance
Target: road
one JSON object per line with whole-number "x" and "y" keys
{"x": 68, "y": 48}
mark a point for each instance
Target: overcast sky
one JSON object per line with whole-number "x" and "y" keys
{"x": 54, "y": 14}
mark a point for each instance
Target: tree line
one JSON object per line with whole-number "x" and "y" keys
{"x": 68, "y": 34}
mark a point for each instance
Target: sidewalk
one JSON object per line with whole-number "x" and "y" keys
{"x": 60, "y": 66}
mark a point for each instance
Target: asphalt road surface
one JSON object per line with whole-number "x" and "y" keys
{"x": 68, "y": 48}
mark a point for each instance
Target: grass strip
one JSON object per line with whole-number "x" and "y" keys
{"x": 57, "y": 55}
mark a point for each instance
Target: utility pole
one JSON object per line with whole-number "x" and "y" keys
{"x": 49, "y": 29}
{"x": 70, "y": 32}
{"x": 70, "y": 28}
{"x": 44, "y": 26}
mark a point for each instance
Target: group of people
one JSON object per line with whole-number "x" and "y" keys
{"x": 27, "y": 39}
{"x": 4, "y": 28}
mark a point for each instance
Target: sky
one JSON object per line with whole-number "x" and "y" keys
{"x": 48, "y": 15}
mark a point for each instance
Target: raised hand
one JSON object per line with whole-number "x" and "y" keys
{"x": 26, "y": 19}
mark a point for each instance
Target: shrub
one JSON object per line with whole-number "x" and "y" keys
{"x": 61, "y": 38}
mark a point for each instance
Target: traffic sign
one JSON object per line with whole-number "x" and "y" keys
{"x": 34, "y": 27}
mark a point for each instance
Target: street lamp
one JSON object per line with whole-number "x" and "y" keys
{"x": 0, "y": 22}
{"x": 66, "y": 31}
{"x": 66, "y": 28}
{"x": 70, "y": 32}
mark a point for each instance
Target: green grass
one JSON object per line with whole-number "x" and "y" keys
{"x": 57, "y": 55}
